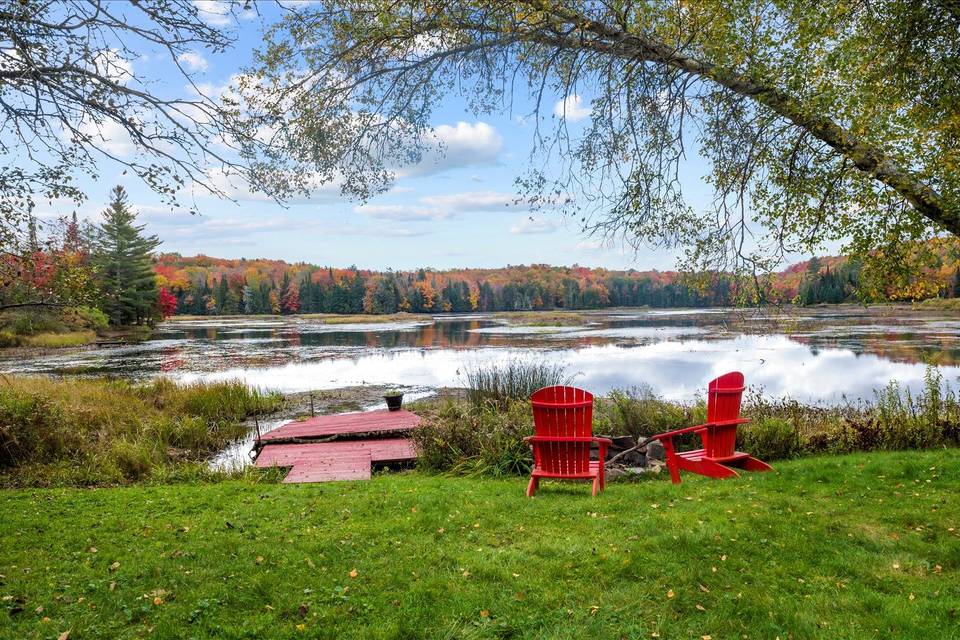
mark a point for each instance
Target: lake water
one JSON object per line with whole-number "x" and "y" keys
{"x": 819, "y": 354}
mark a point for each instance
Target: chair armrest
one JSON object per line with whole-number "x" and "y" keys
{"x": 563, "y": 439}
{"x": 604, "y": 441}
{"x": 678, "y": 432}
{"x": 698, "y": 428}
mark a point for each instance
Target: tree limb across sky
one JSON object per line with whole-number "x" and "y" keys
{"x": 814, "y": 123}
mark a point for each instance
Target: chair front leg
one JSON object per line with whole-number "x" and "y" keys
{"x": 603, "y": 465}
{"x": 670, "y": 455}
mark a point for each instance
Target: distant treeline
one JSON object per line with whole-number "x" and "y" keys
{"x": 203, "y": 285}
{"x": 206, "y": 286}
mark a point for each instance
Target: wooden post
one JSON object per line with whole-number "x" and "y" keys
{"x": 312, "y": 413}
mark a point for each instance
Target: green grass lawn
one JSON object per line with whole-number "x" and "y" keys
{"x": 862, "y": 546}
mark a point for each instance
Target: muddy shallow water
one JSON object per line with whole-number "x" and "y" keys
{"x": 819, "y": 354}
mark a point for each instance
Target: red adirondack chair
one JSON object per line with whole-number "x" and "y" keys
{"x": 719, "y": 435}
{"x": 562, "y": 419}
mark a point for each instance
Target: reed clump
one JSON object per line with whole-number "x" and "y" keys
{"x": 102, "y": 432}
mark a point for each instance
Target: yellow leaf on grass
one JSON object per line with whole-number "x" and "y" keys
{"x": 354, "y": 573}
{"x": 700, "y": 607}
{"x": 703, "y": 588}
{"x": 158, "y": 601}
{"x": 484, "y": 614}
{"x": 670, "y": 593}
{"x": 64, "y": 636}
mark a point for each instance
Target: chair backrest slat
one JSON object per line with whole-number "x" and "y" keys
{"x": 723, "y": 403}
{"x": 563, "y": 411}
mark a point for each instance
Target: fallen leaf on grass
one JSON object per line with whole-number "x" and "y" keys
{"x": 354, "y": 573}
{"x": 484, "y": 614}
{"x": 938, "y": 569}
{"x": 157, "y": 601}
{"x": 114, "y": 566}
{"x": 703, "y": 588}
{"x": 670, "y": 593}
{"x": 64, "y": 636}
{"x": 700, "y": 607}
{"x": 259, "y": 560}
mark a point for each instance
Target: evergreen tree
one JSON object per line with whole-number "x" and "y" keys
{"x": 124, "y": 260}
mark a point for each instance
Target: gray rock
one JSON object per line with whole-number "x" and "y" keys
{"x": 654, "y": 450}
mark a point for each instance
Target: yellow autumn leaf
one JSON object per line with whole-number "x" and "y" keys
{"x": 354, "y": 573}
{"x": 670, "y": 593}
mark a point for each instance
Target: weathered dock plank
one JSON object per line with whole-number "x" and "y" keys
{"x": 386, "y": 450}
{"x": 354, "y": 466}
{"x": 345, "y": 424}
{"x": 338, "y": 447}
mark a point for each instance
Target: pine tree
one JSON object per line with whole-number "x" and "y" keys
{"x": 124, "y": 262}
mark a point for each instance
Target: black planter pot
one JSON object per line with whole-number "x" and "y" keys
{"x": 394, "y": 402}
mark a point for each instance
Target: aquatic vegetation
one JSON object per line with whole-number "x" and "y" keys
{"x": 498, "y": 383}
{"x": 486, "y": 437}
{"x": 96, "y": 431}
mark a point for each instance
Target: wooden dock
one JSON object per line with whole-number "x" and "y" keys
{"x": 339, "y": 447}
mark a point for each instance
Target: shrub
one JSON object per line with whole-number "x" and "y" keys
{"x": 9, "y": 339}
{"x": 82, "y": 432}
{"x": 89, "y": 318}
{"x": 26, "y": 322}
{"x": 638, "y": 412}
{"x": 770, "y": 439}
{"x": 465, "y": 437}
{"x": 497, "y": 384}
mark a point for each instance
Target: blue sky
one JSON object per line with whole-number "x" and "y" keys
{"x": 452, "y": 210}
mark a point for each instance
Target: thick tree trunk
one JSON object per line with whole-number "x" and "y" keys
{"x": 866, "y": 157}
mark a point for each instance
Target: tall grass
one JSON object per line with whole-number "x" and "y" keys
{"x": 475, "y": 439}
{"x": 58, "y": 340}
{"x": 498, "y": 384}
{"x": 484, "y": 435}
{"x": 91, "y": 432}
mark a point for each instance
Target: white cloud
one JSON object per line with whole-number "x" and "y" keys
{"x": 236, "y": 187}
{"x": 214, "y": 12}
{"x": 193, "y": 61}
{"x": 589, "y": 245}
{"x": 110, "y": 136}
{"x": 453, "y": 146}
{"x": 471, "y": 201}
{"x": 530, "y": 225}
{"x": 400, "y": 212}
{"x": 440, "y": 207}
{"x": 572, "y": 108}
{"x": 110, "y": 64}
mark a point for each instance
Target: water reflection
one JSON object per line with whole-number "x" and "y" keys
{"x": 814, "y": 354}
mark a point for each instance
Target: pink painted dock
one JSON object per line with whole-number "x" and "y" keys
{"x": 345, "y": 446}
{"x": 345, "y": 424}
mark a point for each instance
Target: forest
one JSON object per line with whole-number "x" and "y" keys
{"x": 204, "y": 285}
{"x": 90, "y": 275}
